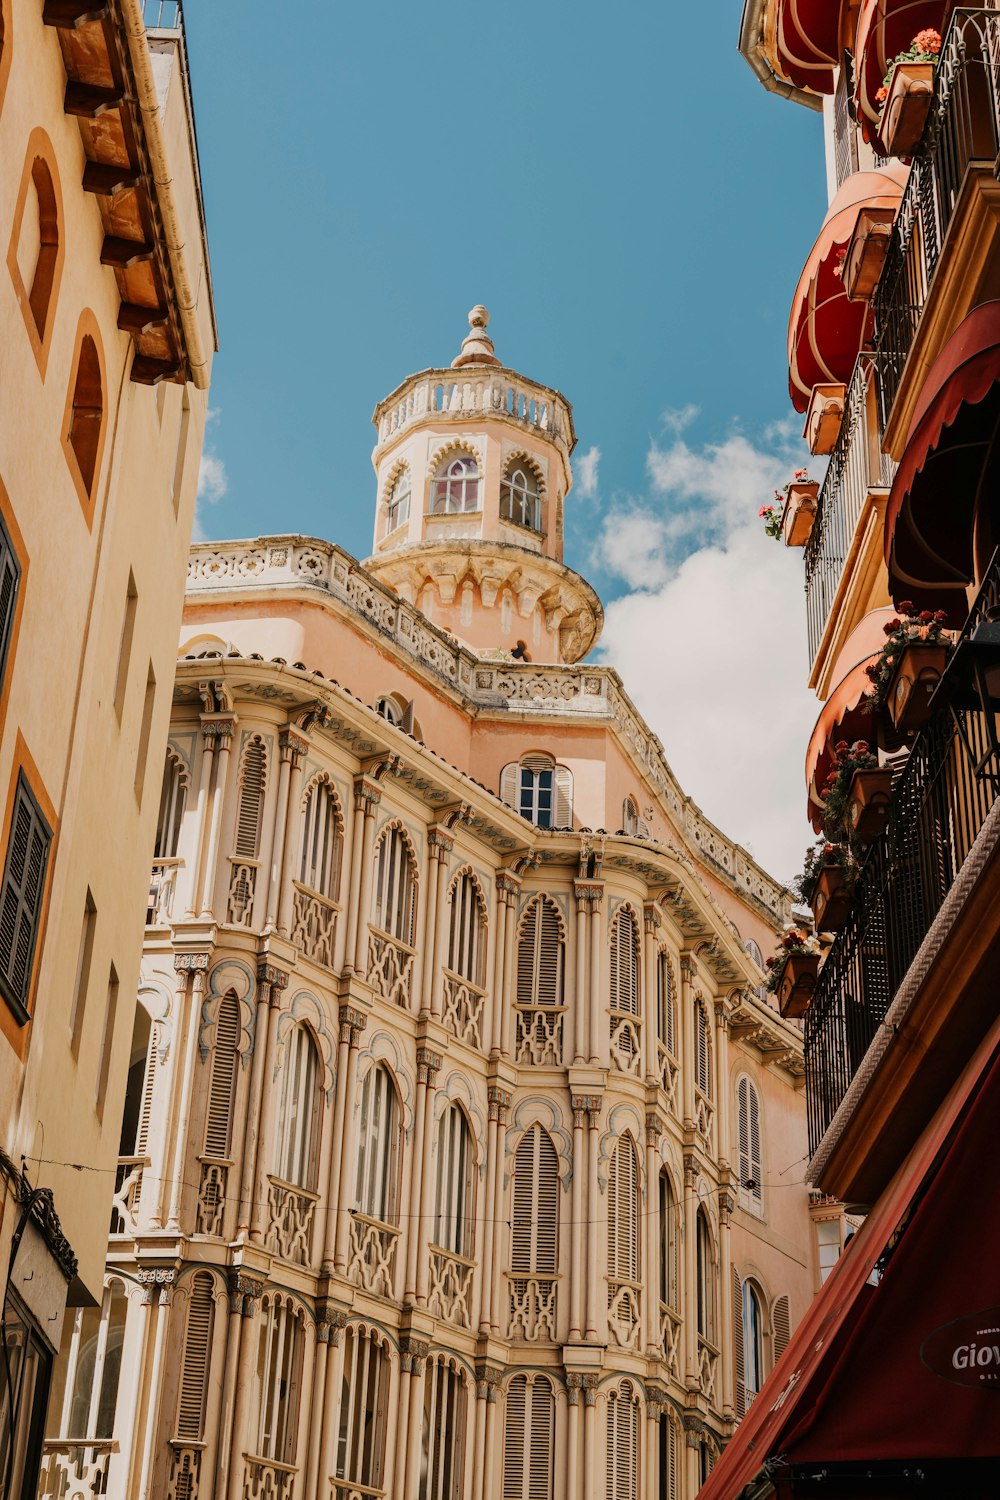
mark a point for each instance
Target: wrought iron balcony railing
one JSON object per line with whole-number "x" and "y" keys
{"x": 963, "y": 128}
{"x": 940, "y": 800}
{"x": 856, "y": 467}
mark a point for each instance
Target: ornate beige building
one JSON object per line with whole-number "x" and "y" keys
{"x": 461, "y": 1154}
{"x": 106, "y": 342}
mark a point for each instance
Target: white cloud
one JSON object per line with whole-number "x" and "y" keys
{"x": 213, "y": 481}
{"x": 586, "y": 473}
{"x": 710, "y": 640}
{"x": 676, "y": 418}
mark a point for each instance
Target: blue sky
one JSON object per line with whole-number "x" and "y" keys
{"x": 633, "y": 208}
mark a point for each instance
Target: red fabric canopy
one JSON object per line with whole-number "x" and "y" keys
{"x": 931, "y": 510}
{"x": 808, "y": 35}
{"x": 826, "y": 330}
{"x": 886, "y": 28}
{"x": 843, "y": 715}
{"x": 862, "y": 1374}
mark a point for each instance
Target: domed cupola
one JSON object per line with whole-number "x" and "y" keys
{"x": 473, "y": 466}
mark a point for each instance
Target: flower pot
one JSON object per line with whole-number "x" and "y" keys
{"x": 911, "y": 90}
{"x": 868, "y": 803}
{"x": 797, "y": 982}
{"x": 866, "y": 252}
{"x": 918, "y": 672}
{"x": 832, "y": 898}
{"x": 824, "y": 418}
{"x": 799, "y": 513}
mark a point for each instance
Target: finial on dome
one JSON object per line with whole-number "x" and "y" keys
{"x": 477, "y": 346}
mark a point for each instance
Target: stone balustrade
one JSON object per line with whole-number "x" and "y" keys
{"x": 314, "y": 924}
{"x": 532, "y": 1309}
{"x": 492, "y": 392}
{"x": 74, "y": 1467}
{"x": 390, "y": 968}
{"x": 451, "y": 1286}
{"x": 267, "y": 1479}
{"x": 290, "y": 1213}
{"x": 463, "y": 1009}
{"x": 125, "y": 1200}
{"x": 708, "y": 1368}
{"x": 372, "y": 1254}
{"x": 538, "y": 1038}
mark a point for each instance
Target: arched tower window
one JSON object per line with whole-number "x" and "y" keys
{"x": 37, "y": 250}
{"x": 466, "y": 933}
{"x": 623, "y": 1442}
{"x": 298, "y": 1140}
{"x": 529, "y": 1433}
{"x": 279, "y": 1379}
{"x": 219, "y": 1116}
{"x": 623, "y": 1245}
{"x": 397, "y": 505}
{"x": 453, "y": 1221}
{"x": 520, "y": 500}
{"x": 172, "y": 800}
{"x": 455, "y": 487}
{"x": 380, "y": 1148}
{"x": 541, "y": 964}
{"x": 86, "y": 414}
{"x": 322, "y": 841}
{"x": 748, "y": 1146}
{"x": 668, "y": 1242}
{"x": 705, "y": 1262}
{"x": 749, "y": 1322}
{"x": 364, "y": 1414}
{"x": 198, "y": 1330}
{"x": 534, "y": 1237}
{"x": 395, "y": 887}
{"x": 630, "y": 817}
{"x": 444, "y": 1431}
{"x": 540, "y": 791}
{"x": 624, "y": 992}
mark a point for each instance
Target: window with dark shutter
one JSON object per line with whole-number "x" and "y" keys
{"x": 21, "y": 898}
{"x": 10, "y": 582}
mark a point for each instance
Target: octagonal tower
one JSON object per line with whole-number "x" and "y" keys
{"x": 473, "y": 468}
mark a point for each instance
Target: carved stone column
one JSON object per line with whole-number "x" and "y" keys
{"x": 499, "y": 1102}
{"x": 331, "y": 1400}
{"x": 267, "y": 977}
{"x": 276, "y": 981}
{"x": 596, "y": 1319}
{"x": 590, "y": 1475}
{"x": 428, "y": 1065}
{"x": 651, "y": 926}
{"x": 650, "y": 1488}
{"x": 574, "y": 1385}
{"x": 223, "y": 728}
{"x": 294, "y": 748}
{"x": 505, "y": 974}
{"x": 581, "y": 987}
{"x": 158, "y": 1286}
{"x": 692, "y": 1455}
{"x": 344, "y": 1165}
{"x": 579, "y": 1215}
{"x": 721, "y": 1081}
{"x": 441, "y": 845}
{"x": 725, "y": 1390}
{"x": 690, "y": 1291}
{"x": 651, "y": 1280}
{"x": 365, "y": 792}
{"x": 237, "y": 1284}
{"x": 194, "y": 964}
{"x": 494, "y": 1460}
{"x": 196, "y": 866}
{"x": 597, "y": 1000}
{"x": 418, "y": 1350}
{"x": 370, "y": 796}
{"x": 250, "y": 1292}
{"x": 687, "y": 1041}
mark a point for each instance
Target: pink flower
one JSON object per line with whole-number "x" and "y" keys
{"x": 927, "y": 40}
{"x": 881, "y": 95}
{"x": 765, "y": 510}
{"x": 801, "y": 473}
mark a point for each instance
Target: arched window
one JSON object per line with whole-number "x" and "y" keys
{"x": 467, "y": 930}
{"x": 198, "y": 1330}
{"x": 86, "y": 415}
{"x": 670, "y": 1457}
{"x": 456, "y": 486}
{"x": 443, "y": 1432}
{"x": 453, "y": 1211}
{"x": 520, "y": 501}
{"x": 364, "y": 1413}
{"x": 705, "y": 1261}
{"x": 387, "y": 708}
{"x": 623, "y": 1442}
{"x": 624, "y": 992}
{"x": 748, "y": 1146}
{"x": 668, "y": 1242}
{"x": 703, "y": 1050}
{"x": 219, "y": 1116}
{"x": 534, "y": 1237}
{"x": 394, "y": 904}
{"x": 761, "y": 990}
{"x": 397, "y": 505}
{"x": 529, "y": 1433}
{"x": 298, "y": 1138}
{"x": 540, "y": 791}
{"x": 37, "y": 251}
{"x": 172, "y": 800}
{"x": 623, "y": 1245}
{"x": 666, "y": 1004}
{"x": 94, "y": 1366}
{"x": 322, "y": 841}
{"x": 541, "y": 954}
{"x": 279, "y": 1379}
{"x": 380, "y": 1148}
{"x": 630, "y": 817}
{"x": 250, "y": 805}
{"x": 748, "y": 1325}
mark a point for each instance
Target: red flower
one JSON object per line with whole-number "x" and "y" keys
{"x": 906, "y": 606}
{"x": 940, "y": 616}
{"x": 861, "y": 747}
{"x": 925, "y": 616}
{"x": 927, "y": 40}
{"x": 802, "y": 473}
{"x": 841, "y": 747}
{"x": 769, "y": 963}
{"x": 881, "y": 95}
{"x": 892, "y": 627}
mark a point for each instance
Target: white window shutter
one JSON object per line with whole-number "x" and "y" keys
{"x": 194, "y": 1363}
{"x": 253, "y": 780}
{"x": 780, "y": 1324}
{"x": 739, "y": 1354}
{"x": 562, "y": 807}
{"x": 509, "y": 784}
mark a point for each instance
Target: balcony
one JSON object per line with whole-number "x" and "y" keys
{"x": 372, "y": 1254}
{"x": 314, "y": 924}
{"x": 267, "y": 1479}
{"x": 872, "y": 1078}
{"x": 940, "y": 261}
{"x": 538, "y": 1035}
{"x": 451, "y": 1286}
{"x": 532, "y": 1309}
{"x": 390, "y": 967}
{"x": 290, "y": 1212}
{"x": 843, "y": 556}
{"x": 463, "y": 1009}
{"x": 624, "y": 1313}
{"x": 74, "y": 1467}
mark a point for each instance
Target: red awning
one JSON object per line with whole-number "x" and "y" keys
{"x": 886, "y": 28}
{"x": 866, "y": 1374}
{"x": 826, "y": 330}
{"x": 929, "y": 522}
{"x": 843, "y": 715}
{"x": 808, "y": 37}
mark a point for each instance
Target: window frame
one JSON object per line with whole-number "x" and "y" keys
{"x": 525, "y": 497}
{"x": 457, "y": 480}
{"x": 19, "y": 1004}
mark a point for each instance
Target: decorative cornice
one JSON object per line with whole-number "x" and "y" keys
{"x": 191, "y": 963}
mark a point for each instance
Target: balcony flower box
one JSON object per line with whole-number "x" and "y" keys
{"x": 866, "y": 252}
{"x": 904, "y": 115}
{"x": 918, "y": 672}
{"x": 824, "y": 418}
{"x": 798, "y": 980}
{"x": 799, "y": 513}
{"x": 868, "y": 803}
{"x": 832, "y": 898}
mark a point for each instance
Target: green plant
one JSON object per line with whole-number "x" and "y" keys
{"x": 925, "y": 48}
{"x": 847, "y": 760}
{"x": 820, "y": 857}
{"x": 796, "y": 940}
{"x": 772, "y": 514}
{"x": 922, "y": 625}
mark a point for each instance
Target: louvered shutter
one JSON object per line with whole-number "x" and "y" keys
{"x": 669, "y": 1460}
{"x": 666, "y": 1004}
{"x": 562, "y": 808}
{"x": 527, "y": 953}
{"x": 668, "y": 1241}
{"x": 10, "y": 578}
{"x": 704, "y": 1054}
{"x": 781, "y": 1326}
{"x": 739, "y": 1347}
{"x": 514, "y": 1439}
{"x": 21, "y": 898}
{"x": 753, "y": 1134}
{"x": 453, "y": 1219}
{"x": 541, "y": 1432}
{"x": 222, "y": 1086}
{"x": 623, "y": 1444}
{"x": 623, "y": 1225}
{"x": 540, "y": 953}
{"x": 743, "y": 1132}
{"x": 194, "y": 1367}
{"x": 510, "y": 778}
{"x": 253, "y": 776}
{"x": 535, "y": 1205}
{"x": 625, "y": 964}
{"x": 148, "y": 1085}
